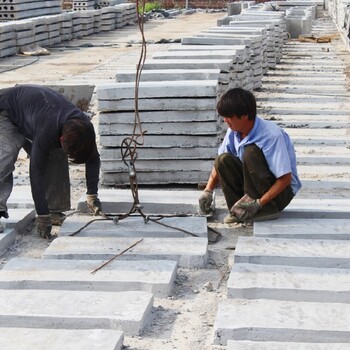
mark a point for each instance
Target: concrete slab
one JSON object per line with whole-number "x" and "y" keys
{"x": 317, "y": 208}
{"x": 298, "y": 283}
{"x": 156, "y": 277}
{"x": 135, "y": 227}
{"x": 155, "y": 89}
{"x": 293, "y": 252}
{"x": 153, "y": 201}
{"x": 21, "y": 197}
{"x": 284, "y": 321}
{"x": 190, "y": 252}
{"x": 267, "y": 345}
{"x": 128, "y": 311}
{"x": 303, "y": 228}
{"x": 58, "y": 339}
{"x": 19, "y": 222}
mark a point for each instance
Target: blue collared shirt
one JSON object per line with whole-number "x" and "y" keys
{"x": 275, "y": 144}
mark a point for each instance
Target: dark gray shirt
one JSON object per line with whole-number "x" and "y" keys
{"x": 39, "y": 113}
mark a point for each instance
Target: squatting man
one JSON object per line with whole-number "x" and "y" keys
{"x": 255, "y": 166}
{"x": 51, "y": 130}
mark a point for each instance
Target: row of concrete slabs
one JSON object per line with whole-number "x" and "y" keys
{"x": 289, "y": 284}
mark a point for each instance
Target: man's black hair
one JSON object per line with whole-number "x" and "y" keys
{"x": 78, "y": 140}
{"x": 237, "y": 102}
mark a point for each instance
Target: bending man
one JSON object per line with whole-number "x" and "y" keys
{"x": 51, "y": 130}
{"x": 256, "y": 163}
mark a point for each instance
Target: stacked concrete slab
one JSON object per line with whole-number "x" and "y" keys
{"x": 11, "y": 10}
{"x": 177, "y": 144}
{"x": 48, "y": 30}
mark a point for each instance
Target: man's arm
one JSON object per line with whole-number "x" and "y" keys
{"x": 213, "y": 180}
{"x": 280, "y": 184}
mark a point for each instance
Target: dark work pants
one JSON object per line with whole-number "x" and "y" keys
{"x": 57, "y": 184}
{"x": 252, "y": 177}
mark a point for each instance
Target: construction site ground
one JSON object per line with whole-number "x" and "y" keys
{"x": 185, "y": 320}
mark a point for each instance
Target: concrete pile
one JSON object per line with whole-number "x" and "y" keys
{"x": 50, "y": 30}
{"x": 214, "y": 60}
{"x": 11, "y": 10}
{"x": 180, "y": 121}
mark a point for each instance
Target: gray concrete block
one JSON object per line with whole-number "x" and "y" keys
{"x": 152, "y": 178}
{"x": 58, "y": 339}
{"x": 294, "y": 283}
{"x": 293, "y": 252}
{"x": 318, "y": 207}
{"x": 267, "y": 345}
{"x": 155, "y": 89}
{"x": 21, "y": 197}
{"x": 135, "y": 227}
{"x": 304, "y": 228}
{"x": 153, "y": 201}
{"x": 283, "y": 321}
{"x": 168, "y": 104}
{"x": 202, "y": 40}
{"x": 168, "y": 75}
{"x": 190, "y": 252}
{"x": 161, "y": 165}
{"x": 129, "y": 312}
{"x": 20, "y": 220}
{"x": 156, "y": 277}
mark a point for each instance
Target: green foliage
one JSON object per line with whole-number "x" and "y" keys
{"x": 149, "y": 6}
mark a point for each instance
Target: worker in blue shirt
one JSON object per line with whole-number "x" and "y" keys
{"x": 256, "y": 163}
{"x": 51, "y": 130}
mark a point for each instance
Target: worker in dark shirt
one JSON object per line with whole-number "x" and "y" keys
{"x": 51, "y": 130}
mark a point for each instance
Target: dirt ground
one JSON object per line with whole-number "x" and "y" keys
{"x": 184, "y": 320}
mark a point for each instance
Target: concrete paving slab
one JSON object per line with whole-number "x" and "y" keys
{"x": 19, "y": 222}
{"x": 155, "y": 89}
{"x": 129, "y": 312}
{"x": 190, "y": 252}
{"x": 135, "y": 227}
{"x": 21, "y": 197}
{"x": 303, "y": 228}
{"x": 156, "y": 277}
{"x": 294, "y": 283}
{"x": 153, "y": 201}
{"x": 317, "y": 208}
{"x": 58, "y": 339}
{"x": 268, "y": 345}
{"x": 283, "y": 321}
{"x": 293, "y": 252}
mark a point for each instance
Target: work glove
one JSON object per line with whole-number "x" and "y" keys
{"x": 94, "y": 204}
{"x": 43, "y": 226}
{"x": 246, "y": 208}
{"x": 205, "y": 201}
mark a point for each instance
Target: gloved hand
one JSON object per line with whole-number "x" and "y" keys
{"x": 43, "y": 226}
{"x": 205, "y": 201}
{"x": 93, "y": 204}
{"x": 246, "y": 208}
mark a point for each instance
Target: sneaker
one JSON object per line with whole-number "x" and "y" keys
{"x": 57, "y": 218}
{"x": 231, "y": 219}
{"x": 264, "y": 217}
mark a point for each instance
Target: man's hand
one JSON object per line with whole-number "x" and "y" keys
{"x": 94, "y": 204}
{"x": 205, "y": 201}
{"x": 246, "y": 208}
{"x": 43, "y": 226}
